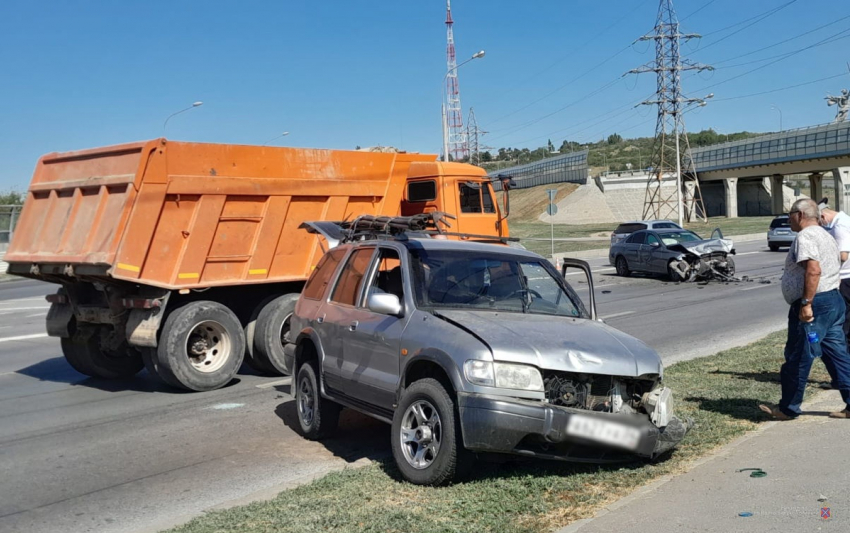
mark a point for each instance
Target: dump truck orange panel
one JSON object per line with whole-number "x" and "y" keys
{"x": 184, "y": 215}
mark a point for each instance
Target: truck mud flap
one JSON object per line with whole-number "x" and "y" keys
{"x": 59, "y": 320}
{"x": 143, "y": 324}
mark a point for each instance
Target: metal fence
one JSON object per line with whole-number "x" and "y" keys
{"x": 805, "y": 143}
{"x": 9, "y": 215}
{"x": 567, "y": 168}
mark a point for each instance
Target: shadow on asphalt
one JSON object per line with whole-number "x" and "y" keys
{"x": 358, "y": 436}
{"x": 57, "y": 370}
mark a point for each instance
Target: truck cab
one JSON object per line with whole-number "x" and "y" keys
{"x": 458, "y": 188}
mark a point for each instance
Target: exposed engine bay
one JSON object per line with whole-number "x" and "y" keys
{"x": 704, "y": 260}
{"x": 609, "y": 394}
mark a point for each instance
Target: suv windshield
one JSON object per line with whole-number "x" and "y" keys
{"x": 472, "y": 280}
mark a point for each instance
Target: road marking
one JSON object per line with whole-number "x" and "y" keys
{"x": 12, "y": 309}
{"x": 759, "y": 286}
{"x": 749, "y": 253}
{"x": 23, "y": 337}
{"x": 270, "y": 384}
{"x": 592, "y": 271}
{"x": 7, "y": 302}
{"x": 226, "y": 406}
{"x": 37, "y": 314}
{"x": 615, "y": 315}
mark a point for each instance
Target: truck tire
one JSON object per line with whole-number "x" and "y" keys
{"x": 426, "y": 416}
{"x": 317, "y": 417}
{"x": 271, "y": 333}
{"x": 85, "y": 355}
{"x": 250, "y": 328}
{"x": 201, "y": 347}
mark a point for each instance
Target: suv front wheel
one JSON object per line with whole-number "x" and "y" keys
{"x": 426, "y": 440}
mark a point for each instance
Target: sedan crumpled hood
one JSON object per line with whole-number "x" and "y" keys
{"x": 559, "y": 343}
{"x": 705, "y": 246}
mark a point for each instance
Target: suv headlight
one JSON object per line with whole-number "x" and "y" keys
{"x": 503, "y": 375}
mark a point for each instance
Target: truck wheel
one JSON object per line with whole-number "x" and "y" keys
{"x": 426, "y": 440}
{"x": 317, "y": 416}
{"x": 253, "y": 362}
{"x": 272, "y": 333}
{"x": 201, "y": 346}
{"x": 85, "y": 355}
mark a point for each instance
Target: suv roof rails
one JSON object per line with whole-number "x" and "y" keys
{"x": 364, "y": 227}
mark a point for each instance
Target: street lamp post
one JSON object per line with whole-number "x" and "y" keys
{"x": 476, "y": 55}
{"x": 776, "y": 107}
{"x": 196, "y": 104}
{"x": 284, "y": 134}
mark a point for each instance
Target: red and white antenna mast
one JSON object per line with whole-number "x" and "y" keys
{"x": 457, "y": 142}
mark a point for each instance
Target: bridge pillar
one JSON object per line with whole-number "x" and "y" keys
{"x": 841, "y": 177}
{"x": 816, "y": 186}
{"x": 730, "y": 186}
{"x": 777, "y": 202}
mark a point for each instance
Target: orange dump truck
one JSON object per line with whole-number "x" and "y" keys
{"x": 187, "y": 258}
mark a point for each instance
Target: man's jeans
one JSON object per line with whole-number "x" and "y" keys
{"x": 828, "y": 308}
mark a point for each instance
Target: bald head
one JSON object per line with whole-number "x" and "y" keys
{"x": 808, "y": 209}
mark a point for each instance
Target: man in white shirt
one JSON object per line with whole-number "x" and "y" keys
{"x": 837, "y": 223}
{"x": 810, "y": 286}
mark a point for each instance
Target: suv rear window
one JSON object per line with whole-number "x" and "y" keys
{"x": 629, "y": 228}
{"x": 665, "y": 225}
{"x": 315, "y": 287}
{"x": 350, "y": 283}
{"x": 780, "y": 223}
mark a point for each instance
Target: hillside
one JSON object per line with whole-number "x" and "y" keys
{"x": 613, "y": 153}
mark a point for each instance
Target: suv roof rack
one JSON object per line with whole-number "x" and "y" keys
{"x": 367, "y": 227}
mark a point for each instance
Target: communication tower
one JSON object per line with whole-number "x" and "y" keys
{"x": 458, "y": 148}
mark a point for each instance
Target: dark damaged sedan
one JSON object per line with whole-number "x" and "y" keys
{"x": 681, "y": 255}
{"x": 469, "y": 347}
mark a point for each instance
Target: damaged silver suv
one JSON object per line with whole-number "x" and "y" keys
{"x": 470, "y": 347}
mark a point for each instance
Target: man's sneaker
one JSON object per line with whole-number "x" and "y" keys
{"x": 844, "y": 413}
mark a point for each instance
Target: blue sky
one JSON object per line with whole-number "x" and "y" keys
{"x": 339, "y": 74}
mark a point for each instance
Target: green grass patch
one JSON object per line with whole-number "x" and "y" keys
{"x": 721, "y": 393}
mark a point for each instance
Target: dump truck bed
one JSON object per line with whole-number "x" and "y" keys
{"x": 189, "y": 215}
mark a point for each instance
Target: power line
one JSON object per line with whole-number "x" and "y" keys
{"x": 781, "y": 42}
{"x": 692, "y": 13}
{"x": 834, "y": 38}
{"x": 824, "y": 41}
{"x": 580, "y": 48}
{"x": 780, "y": 88}
{"x": 760, "y": 17}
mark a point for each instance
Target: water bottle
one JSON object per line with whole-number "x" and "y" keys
{"x": 813, "y": 338}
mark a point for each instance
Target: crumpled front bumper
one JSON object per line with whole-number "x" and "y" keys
{"x": 502, "y": 425}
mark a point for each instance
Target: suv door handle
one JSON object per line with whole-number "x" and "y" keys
{"x": 321, "y": 319}
{"x": 353, "y": 326}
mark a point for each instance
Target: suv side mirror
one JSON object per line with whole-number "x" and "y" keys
{"x": 384, "y": 304}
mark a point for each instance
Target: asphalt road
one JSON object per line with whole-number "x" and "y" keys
{"x": 81, "y": 454}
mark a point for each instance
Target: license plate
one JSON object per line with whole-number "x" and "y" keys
{"x": 783, "y": 233}
{"x": 595, "y": 429}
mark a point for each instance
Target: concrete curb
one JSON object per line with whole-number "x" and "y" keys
{"x": 603, "y": 252}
